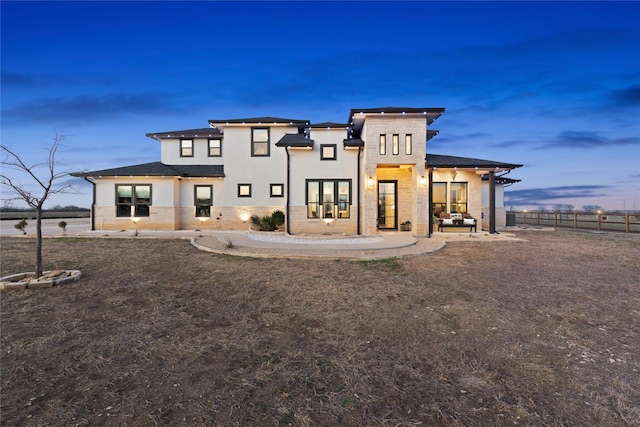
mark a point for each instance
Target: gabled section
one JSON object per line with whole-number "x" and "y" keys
{"x": 357, "y": 115}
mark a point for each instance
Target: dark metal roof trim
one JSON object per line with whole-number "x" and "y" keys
{"x": 194, "y": 133}
{"x": 353, "y": 143}
{"x": 295, "y": 140}
{"x": 443, "y": 161}
{"x": 158, "y": 169}
{"x": 261, "y": 120}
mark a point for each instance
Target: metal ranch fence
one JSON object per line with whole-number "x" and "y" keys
{"x": 601, "y": 221}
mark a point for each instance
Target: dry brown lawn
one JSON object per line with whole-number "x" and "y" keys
{"x": 544, "y": 332}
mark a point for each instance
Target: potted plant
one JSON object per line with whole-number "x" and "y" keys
{"x": 405, "y": 226}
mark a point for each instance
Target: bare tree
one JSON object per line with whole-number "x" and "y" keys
{"x": 44, "y": 184}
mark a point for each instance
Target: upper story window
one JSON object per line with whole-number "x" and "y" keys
{"x": 382, "y": 145}
{"x": 260, "y": 142}
{"x": 133, "y": 200}
{"x": 328, "y": 152}
{"x": 186, "y": 148}
{"x": 203, "y": 200}
{"x": 215, "y": 148}
{"x": 408, "y": 144}
{"x": 395, "y": 144}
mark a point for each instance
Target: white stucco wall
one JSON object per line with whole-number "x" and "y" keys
{"x": 499, "y": 194}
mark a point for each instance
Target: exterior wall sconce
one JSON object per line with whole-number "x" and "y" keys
{"x": 244, "y": 217}
{"x": 370, "y": 182}
{"x": 423, "y": 181}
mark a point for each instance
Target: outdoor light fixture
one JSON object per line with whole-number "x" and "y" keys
{"x": 244, "y": 217}
{"x": 423, "y": 181}
{"x": 453, "y": 175}
{"x": 370, "y": 182}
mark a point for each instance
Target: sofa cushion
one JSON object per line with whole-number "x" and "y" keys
{"x": 447, "y": 221}
{"x": 469, "y": 221}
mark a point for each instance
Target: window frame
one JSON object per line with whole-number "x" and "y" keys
{"x": 408, "y": 144}
{"x": 442, "y": 205}
{"x": 183, "y": 148}
{"x": 133, "y": 205}
{"x": 210, "y": 147}
{"x": 336, "y": 201}
{"x": 330, "y": 157}
{"x": 465, "y": 203}
{"x": 395, "y": 144}
{"x": 254, "y": 142}
{"x": 276, "y": 194}
{"x": 242, "y": 185}
{"x": 382, "y": 145}
{"x": 206, "y": 206}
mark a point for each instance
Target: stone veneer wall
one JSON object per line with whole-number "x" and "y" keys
{"x": 300, "y": 224}
{"x": 160, "y": 218}
{"x": 501, "y": 217}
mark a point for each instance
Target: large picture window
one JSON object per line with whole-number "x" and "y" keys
{"x": 328, "y": 198}
{"x": 260, "y": 142}
{"x": 458, "y": 197}
{"x": 186, "y": 148}
{"x": 133, "y": 200}
{"x": 203, "y": 200}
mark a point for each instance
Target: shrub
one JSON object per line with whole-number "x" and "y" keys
{"x": 268, "y": 222}
{"x": 278, "y": 217}
{"x": 63, "y": 225}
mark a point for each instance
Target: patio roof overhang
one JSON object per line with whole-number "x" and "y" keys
{"x": 479, "y": 166}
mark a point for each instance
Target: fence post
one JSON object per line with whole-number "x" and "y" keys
{"x": 538, "y": 217}
{"x": 555, "y": 219}
{"x": 627, "y": 222}
{"x": 575, "y": 220}
{"x": 524, "y": 216}
{"x": 599, "y": 220}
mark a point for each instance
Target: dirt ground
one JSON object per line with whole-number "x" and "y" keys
{"x": 544, "y": 332}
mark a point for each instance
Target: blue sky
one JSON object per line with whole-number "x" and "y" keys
{"x": 551, "y": 85}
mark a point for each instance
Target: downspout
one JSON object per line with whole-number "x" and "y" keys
{"x": 286, "y": 149}
{"x": 359, "y": 231}
{"x": 93, "y": 204}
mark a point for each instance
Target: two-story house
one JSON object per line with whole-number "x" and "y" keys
{"x": 360, "y": 177}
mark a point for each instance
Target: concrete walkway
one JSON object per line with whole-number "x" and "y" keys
{"x": 272, "y": 245}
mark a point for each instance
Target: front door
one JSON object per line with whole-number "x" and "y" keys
{"x": 387, "y": 199}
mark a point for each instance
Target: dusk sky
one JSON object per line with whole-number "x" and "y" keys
{"x": 553, "y": 86}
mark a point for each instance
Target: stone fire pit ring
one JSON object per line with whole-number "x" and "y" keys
{"x": 47, "y": 280}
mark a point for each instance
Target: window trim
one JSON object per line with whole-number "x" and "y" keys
{"x": 182, "y": 147}
{"x": 195, "y": 199}
{"x": 240, "y": 186}
{"x": 253, "y": 142}
{"x": 408, "y": 144}
{"x": 335, "y": 152}
{"x": 272, "y": 187}
{"x": 395, "y": 144}
{"x": 133, "y": 204}
{"x": 219, "y": 147}
{"x": 382, "y": 145}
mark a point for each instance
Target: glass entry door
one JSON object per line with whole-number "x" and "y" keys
{"x": 387, "y": 199}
